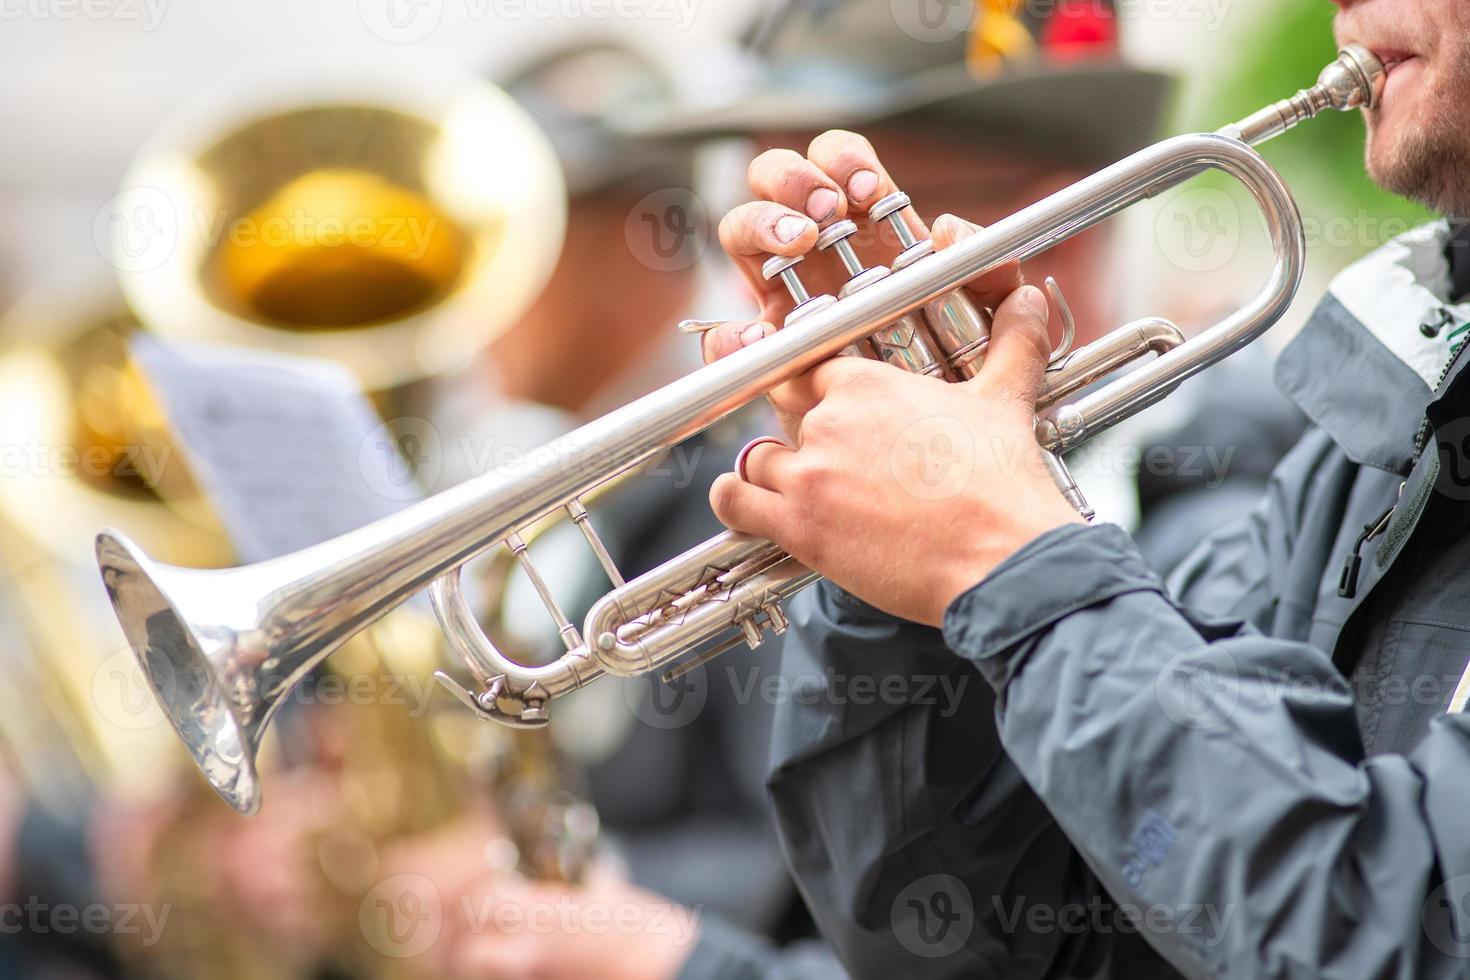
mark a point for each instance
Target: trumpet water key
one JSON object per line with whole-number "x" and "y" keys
{"x": 222, "y": 648}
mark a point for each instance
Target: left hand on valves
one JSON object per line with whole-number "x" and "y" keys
{"x": 907, "y": 490}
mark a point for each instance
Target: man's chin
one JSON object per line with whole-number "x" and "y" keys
{"x": 1404, "y": 163}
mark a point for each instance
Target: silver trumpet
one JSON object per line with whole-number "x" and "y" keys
{"x": 222, "y": 648}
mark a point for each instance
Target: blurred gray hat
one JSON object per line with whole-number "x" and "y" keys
{"x": 1045, "y": 77}
{"x": 574, "y": 93}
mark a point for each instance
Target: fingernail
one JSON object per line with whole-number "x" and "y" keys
{"x": 821, "y": 204}
{"x": 789, "y": 229}
{"x": 752, "y": 333}
{"x": 955, "y": 228}
{"x": 862, "y": 185}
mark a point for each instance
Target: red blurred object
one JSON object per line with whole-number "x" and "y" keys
{"x": 1080, "y": 29}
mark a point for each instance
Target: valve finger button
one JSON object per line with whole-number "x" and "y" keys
{"x": 784, "y": 268}
{"x": 890, "y": 209}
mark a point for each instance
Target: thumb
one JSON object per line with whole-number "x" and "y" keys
{"x": 1019, "y": 349}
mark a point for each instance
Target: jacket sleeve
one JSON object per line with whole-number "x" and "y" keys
{"x": 918, "y": 847}
{"x": 892, "y": 805}
{"x": 1212, "y": 778}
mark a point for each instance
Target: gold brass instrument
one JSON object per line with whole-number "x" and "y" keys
{"x": 223, "y": 648}
{"x": 83, "y": 438}
{"x": 391, "y": 223}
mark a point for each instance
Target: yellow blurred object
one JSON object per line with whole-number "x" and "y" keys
{"x": 997, "y": 36}
{"x": 84, "y": 441}
{"x": 318, "y": 268}
{"x": 393, "y": 223}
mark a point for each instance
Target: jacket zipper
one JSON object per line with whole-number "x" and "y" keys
{"x": 1347, "y": 582}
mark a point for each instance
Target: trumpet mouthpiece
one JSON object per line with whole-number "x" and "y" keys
{"x": 1354, "y": 80}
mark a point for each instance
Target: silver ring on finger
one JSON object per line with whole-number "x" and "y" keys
{"x": 744, "y": 455}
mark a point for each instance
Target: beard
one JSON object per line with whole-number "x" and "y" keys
{"x": 1430, "y": 163}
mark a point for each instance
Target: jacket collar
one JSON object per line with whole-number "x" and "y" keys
{"x": 1362, "y": 369}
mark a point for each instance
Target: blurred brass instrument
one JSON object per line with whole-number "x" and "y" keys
{"x": 391, "y": 222}
{"x": 224, "y": 648}
{"x": 364, "y": 221}
{"x": 83, "y": 438}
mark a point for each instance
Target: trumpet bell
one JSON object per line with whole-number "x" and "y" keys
{"x": 391, "y": 223}
{"x": 189, "y": 665}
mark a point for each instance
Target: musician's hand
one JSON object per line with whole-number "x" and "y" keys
{"x": 509, "y": 928}
{"x": 907, "y": 490}
{"x": 263, "y": 868}
{"x": 840, "y": 176}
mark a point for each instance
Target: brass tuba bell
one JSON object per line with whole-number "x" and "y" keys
{"x": 391, "y": 222}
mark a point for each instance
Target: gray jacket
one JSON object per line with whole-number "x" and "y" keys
{"x": 1249, "y": 773}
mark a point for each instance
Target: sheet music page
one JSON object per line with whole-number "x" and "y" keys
{"x": 289, "y": 451}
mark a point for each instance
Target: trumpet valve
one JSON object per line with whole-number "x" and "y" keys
{"x": 904, "y": 342}
{"x": 835, "y": 237}
{"x": 890, "y": 209}
{"x": 783, "y": 267}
